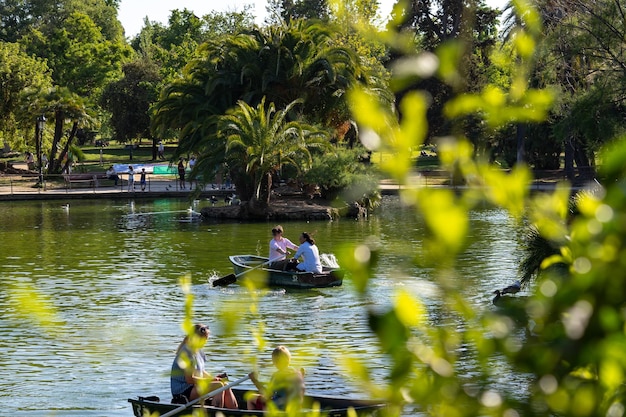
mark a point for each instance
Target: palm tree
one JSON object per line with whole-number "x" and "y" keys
{"x": 61, "y": 105}
{"x": 299, "y": 61}
{"x": 261, "y": 140}
{"x": 283, "y": 63}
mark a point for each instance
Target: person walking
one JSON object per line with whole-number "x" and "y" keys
{"x": 161, "y": 152}
{"x": 192, "y": 163}
{"x": 131, "y": 178}
{"x": 142, "y": 179}
{"x": 181, "y": 173}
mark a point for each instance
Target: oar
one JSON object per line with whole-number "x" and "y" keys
{"x": 205, "y": 396}
{"x": 231, "y": 278}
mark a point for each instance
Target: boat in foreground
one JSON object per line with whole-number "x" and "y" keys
{"x": 330, "y": 277}
{"x": 330, "y": 406}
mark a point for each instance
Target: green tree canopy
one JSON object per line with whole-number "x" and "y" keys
{"x": 18, "y": 72}
{"x": 465, "y": 29}
{"x": 296, "y": 62}
{"x": 19, "y": 17}
{"x": 79, "y": 56}
{"x": 61, "y": 106}
{"x": 129, "y": 100}
{"x": 288, "y": 10}
{"x": 173, "y": 45}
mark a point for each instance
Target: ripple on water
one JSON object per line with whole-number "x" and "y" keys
{"x": 111, "y": 269}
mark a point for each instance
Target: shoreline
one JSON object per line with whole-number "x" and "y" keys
{"x": 282, "y": 208}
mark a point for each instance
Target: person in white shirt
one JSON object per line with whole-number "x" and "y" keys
{"x": 112, "y": 175}
{"x": 131, "y": 178}
{"x": 279, "y": 246}
{"x": 190, "y": 165}
{"x": 161, "y": 154}
{"x": 310, "y": 254}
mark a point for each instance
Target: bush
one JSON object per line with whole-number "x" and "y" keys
{"x": 343, "y": 174}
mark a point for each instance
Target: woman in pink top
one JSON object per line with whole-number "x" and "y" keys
{"x": 278, "y": 248}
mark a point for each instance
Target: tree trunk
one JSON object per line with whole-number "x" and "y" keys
{"x": 38, "y": 143}
{"x": 67, "y": 147}
{"x": 155, "y": 145}
{"x": 54, "y": 163}
{"x": 569, "y": 159}
{"x": 521, "y": 135}
{"x": 585, "y": 170}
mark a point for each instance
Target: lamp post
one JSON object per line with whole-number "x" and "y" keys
{"x": 41, "y": 123}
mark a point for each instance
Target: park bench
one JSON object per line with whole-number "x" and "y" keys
{"x": 92, "y": 180}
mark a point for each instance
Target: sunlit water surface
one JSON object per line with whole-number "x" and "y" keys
{"x": 111, "y": 270}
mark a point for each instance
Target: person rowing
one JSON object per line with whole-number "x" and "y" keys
{"x": 279, "y": 246}
{"x": 189, "y": 374}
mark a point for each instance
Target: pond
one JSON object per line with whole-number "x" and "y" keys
{"x": 111, "y": 271}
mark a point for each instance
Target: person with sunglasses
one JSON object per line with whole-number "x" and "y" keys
{"x": 190, "y": 380}
{"x": 279, "y": 246}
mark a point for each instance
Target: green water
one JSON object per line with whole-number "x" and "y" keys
{"x": 111, "y": 270}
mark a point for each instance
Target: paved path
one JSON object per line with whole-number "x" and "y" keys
{"x": 24, "y": 187}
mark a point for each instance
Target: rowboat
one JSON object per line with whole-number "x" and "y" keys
{"x": 330, "y": 276}
{"x": 330, "y": 406}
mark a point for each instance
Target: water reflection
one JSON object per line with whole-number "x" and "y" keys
{"x": 111, "y": 270}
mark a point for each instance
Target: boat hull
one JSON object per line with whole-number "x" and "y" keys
{"x": 330, "y": 406}
{"x": 330, "y": 277}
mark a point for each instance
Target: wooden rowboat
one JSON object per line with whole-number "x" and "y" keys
{"x": 330, "y": 277}
{"x": 330, "y": 406}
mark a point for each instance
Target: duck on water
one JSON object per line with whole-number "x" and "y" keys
{"x": 511, "y": 289}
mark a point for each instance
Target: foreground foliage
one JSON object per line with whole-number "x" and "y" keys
{"x": 575, "y": 348}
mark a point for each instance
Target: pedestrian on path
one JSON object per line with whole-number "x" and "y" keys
{"x": 192, "y": 163}
{"x": 142, "y": 179}
{"x": 131, "y": 178}
{"x": 181, "y": 173}
{"x": 161, "y": 154}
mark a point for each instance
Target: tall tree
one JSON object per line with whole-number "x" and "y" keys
{"x": 18, "y": 72}
{"x": 299, "y": 61}
{"x": 62, "y": 106}
{"x": 436, "y": 24}
{"x": 80, "y": 57}
{"x": 582, "y": 56}
{"x": 289, "y": 10}
{"x": 18, "y": 18}
{"x": 173, "y": 45}
{"x": 129, "y": 100}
